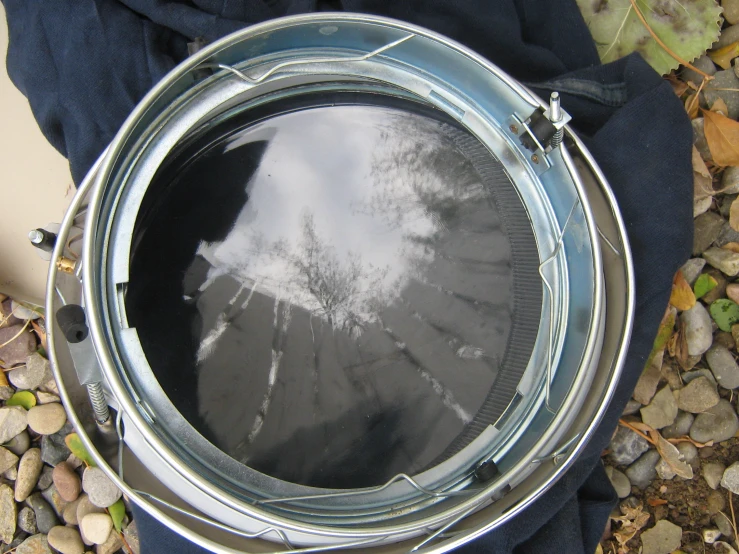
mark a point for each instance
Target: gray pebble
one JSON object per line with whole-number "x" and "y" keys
{"x": 11, "y": 474}
{"x": 722, "y": 80}
{"x": 632, "y": 406}
{"x": 13, "y": 420}
{"x": 693, "y": 267}
{"x": 19, "y": 443}
{"x": 19, "y": 344}
{"x": 131, "y": 533}
{"x": 8, "y": 514}
{"x": 681, "y": 427}
{"x": 27, "y": 520}
{"x": 52, "y": 496}
{"x": 29, "y": 470}
{"x": 663, "y": 538}
{"x": 698, "y": 329}
{"x": 705, "y": 64}
{"x": 688, "y": 451}
{"x": 643, "y": 471}
{"x": 46, "y": 478}
{"x": 664, "y": 470}
{"x": 730, "y": 479}
{"x": 619, "y": 481}
{"x": 66, "y": 540}
{"x": 713, "y": 472}
{"x": 689, "y": 376}
{"x": 30, "y": 376}
{"x": 626, "y": 446}
{"x": 47, "y": 397}
{"x": 35, "y": 544}
{"x": 718, "y": 423}
{"x": 7, "y": 459}
{"x": 723, "y": 523}
{"x": 69, "y": 515}
{"x": 729, "y": 35}
{"x": 726, "y": 236}
{"x": 111, "y": 546}
{"x": 716, "y": 502}
{"x": 47, "y": 419}
{"x": 45, "y": 516}
{"x": 707, "y": 229}
{"x": 53, "y": 449}
{"x": 730, "y": 179}
{"x": 724, "y": 260}
{"x": 661, "y": 411}
{"x": 724, "y": 366}
{"x": 698, "y": 396}
{"x": 101, "y": 491}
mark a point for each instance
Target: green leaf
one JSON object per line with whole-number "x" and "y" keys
{"x": 22, "y": 398}
{"x": 703, "y": 285}
{"x": 117, "y": 512}
{"x": 687, "y": 27}
{"x": 725, "y": 313}
{"x": 78, "y": 449}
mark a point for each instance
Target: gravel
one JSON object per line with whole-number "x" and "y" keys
{"x": 29, "y": 470}
{"x": 620, "y": 482}
{"x": 707, "y": 228}
{"x": 626, "y": 446}
{"x": 19, "y": 444}
{"x": 712, "y": 473}
{"x": 698, "y": 329}
{"x": 101, "y": 491}
{"x": 718, "y": 423}
{"x": 27, "y": 521}
{"x": 663, "y": 538}
{"x": 45, "y": 516}
{"x": 698, "y": 396}
{"x": 96, "y": 527}
{"x": 725, "y": 261}
{"x": 8, "y": 514}
{"x": 36, "y": 544}
{"x": 730, "y": 479}
{"x": 46, "y": 478}
{"x": 66, "y": 540}
{"x": 19, "y": 344}
{"x": 67, "y": 482}
{"x": 47, "y": 419}
{"x": 53, "y": 449}
{"x": 723, "y": 365}
{"x": 32, "y": 374}
{"x": 693, "y": 267}
{"x": 643, "y": 471}
{"x": 725, "y": 79}
{"x": 13, "y": 420}
{"x": 662, "y": 410}
{"x": 7, "y": 459}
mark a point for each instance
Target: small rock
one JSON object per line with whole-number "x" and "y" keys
{"x": 643, "y": 471}
{"x": 47, "y": 398}
{"x": 725, "y": 79}
{"x": 693, "y": 267}
{"x": 111, "y": 546}
{"x": 7, "y": 459}
{"x": 730, "y": 479}
{"x": 69, "y": 515}
{"x": 698, "y": 396}
{"x": 619, "y": 481}
{"x": 710, "y": 536}
{"x": 663, "y": 538}
{"x": 85, "y": 507}
{"x": 53, "y": 497}
{"x": 74, "y": 462}
{"x": 101, "y": 491}
{"x": 703, "y": 63}
{"x": 46, "y": 478}
{"x": 688, "y": 451}
{"x": 662, "y": 410}
{"x": 726, "y": 236}
{"x": 671, "y": 375}
{"x": 66, "y": 540}
{"x": 47, "y": 419}
{"x": 67, "y": 482}
{"x": 712, "y": 473}
{"x": 718, "y": 423}
{"x": 664, "y": 471}
{"x": 632, "y": 406}
{"x": 731, "y": 10}
{"x": 13, "y": 420}
{"x": 30, "y": 376}
{"x": 7, "y": 514}
{"x": 19, "y": 443}
{"x": 716, "y": 502}
{"x": 732, "y": 290}
{"x": 730, "y": 176}
{"x": 45, "y": 516}
{"x": 626, "y": 446}
{"x": 53, "y": 449}
{"x": 681, "y": 427}
{"x": 723, "y": 365}
{"x": 707, "y": 228}
{"x": 29, "y": 470}
{"x": 702, "y": 372}
{"x": 96, "y": 527}
{"x": 6, "y": 392}
{"x": 22, "y": 312}
{"x": 723, "y": 523}
{"x": 723, "y": 260}
{"x": 36, "y": 544}
{"x": 131, "y": 534}
{"x": 27, "y": 520}
{"x": 50, "y": 386}
{"x": 699, "y": 139}
{"x": 11, "y": 474}
{"x": 698, "y": 329}
{"x": 18, "y": 348}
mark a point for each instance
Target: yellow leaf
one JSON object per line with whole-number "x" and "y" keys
{"x": 3, "y": 379}
{"x": 719, "y": 106}
{"x": 682, "y": 296}
{"x": 731, "y": 247}
{"x": 691, "y": 105}
{"x": 734, "y": 215}
{"x": 722, "y": 136}
{"x": 723, "y": 56}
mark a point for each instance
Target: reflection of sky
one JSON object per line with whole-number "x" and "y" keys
{"x": 319, "y": 164}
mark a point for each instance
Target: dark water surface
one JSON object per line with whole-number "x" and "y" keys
{"x": 326, "y": 295}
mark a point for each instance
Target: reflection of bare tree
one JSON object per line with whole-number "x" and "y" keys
{"x": 344, "y": 288}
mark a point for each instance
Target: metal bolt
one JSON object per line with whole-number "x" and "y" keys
{"x": 535, "y": 159}
{"x": 555, "y": 110}
{"x": 35, "y": 236}
{"x": 558, "y": 459}
{"x": 514, "y": 129}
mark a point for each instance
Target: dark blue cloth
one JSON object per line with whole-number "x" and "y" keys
{"x": 83, "y": 64}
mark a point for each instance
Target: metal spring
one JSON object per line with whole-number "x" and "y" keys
{"x": 98, "y": 401}
{"x": 557, "y": 139}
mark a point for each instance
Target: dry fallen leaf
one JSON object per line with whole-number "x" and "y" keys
{"x": 724, "y": 55}
{"x": 656, "y": 502}
{"x": 722, "y": 136}
{"x": 631, "y": 522}
{"x": 682, "y": 296}
{"x": 3, "y": 380}
{"x": 734, "y": 215}
{"x": 691, "y": 106}
{"x": 679, "y": 87}
{"x": 731, "y": 247}
{"x": 719, "y": 106}
{"x": 663, "y": 334}
{"x": 671, "y": 455}
{"x": 702, "y": 184}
